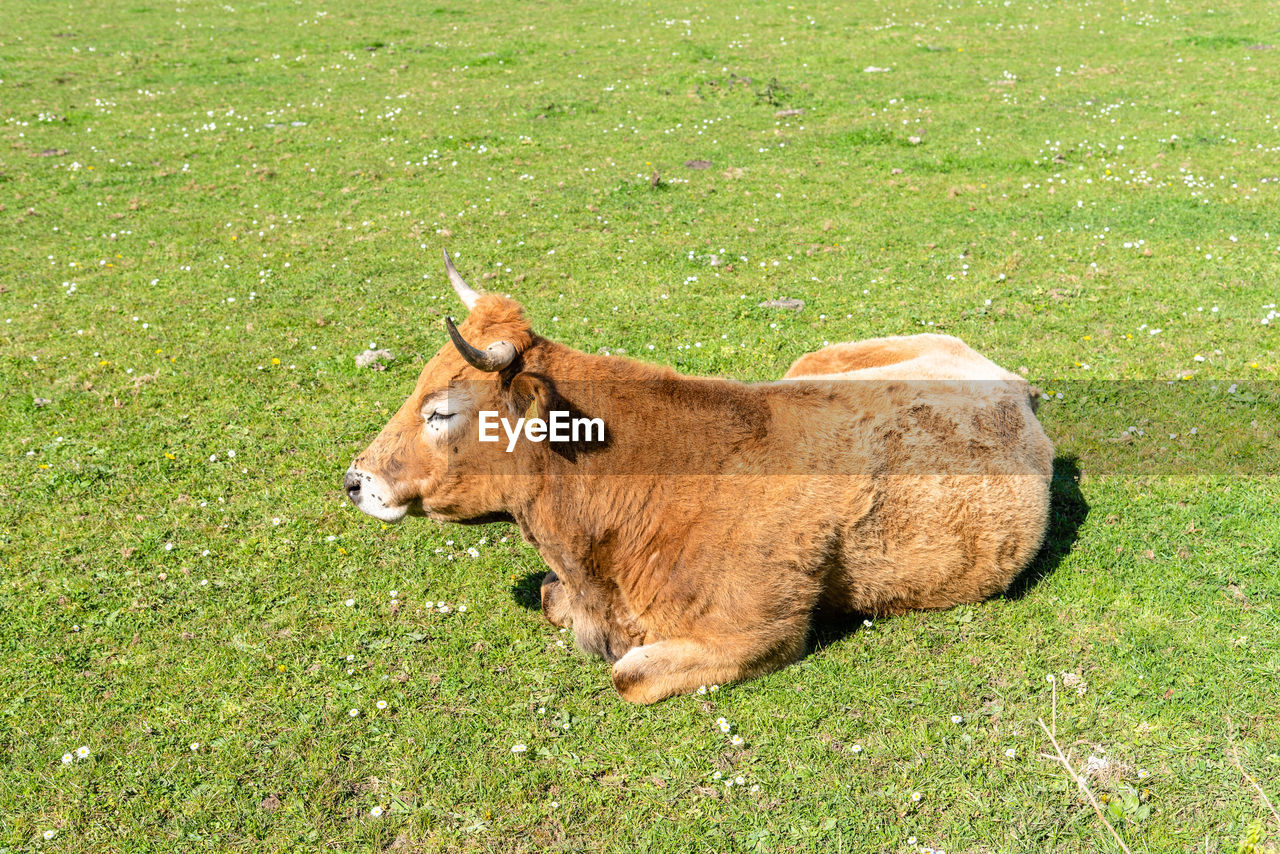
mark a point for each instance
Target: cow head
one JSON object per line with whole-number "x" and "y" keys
{"x": 428, "y": 460}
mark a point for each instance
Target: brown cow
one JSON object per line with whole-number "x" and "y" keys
{"x": 693, "y": 542}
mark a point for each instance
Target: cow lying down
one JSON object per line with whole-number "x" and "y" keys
{"x": 692, "y": 539}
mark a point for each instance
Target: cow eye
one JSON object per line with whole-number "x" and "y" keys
{"x": 440, "y": 418}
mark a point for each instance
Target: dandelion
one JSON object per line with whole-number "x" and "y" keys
{"x": 916, "y": 797}
{"x": 736, "y": 741}
{"x": 518, "y": 748}
{"x": 82, "y": 752}
{"x": 355, "y": 713}
{"x": 49, "y": 834}
{"x": 381, "y": 704}
{"x": 1011, "y": 753}
{"x": 376, "y": 812}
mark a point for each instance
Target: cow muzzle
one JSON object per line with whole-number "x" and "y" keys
{"x": 371, "y": 495}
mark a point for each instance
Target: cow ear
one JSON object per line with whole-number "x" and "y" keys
{"x": 531, "y": 396}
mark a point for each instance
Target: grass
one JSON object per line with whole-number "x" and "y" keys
{"x": 207, "y": 210}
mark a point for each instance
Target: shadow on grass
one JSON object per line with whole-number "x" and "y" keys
{"x": 1067, "y": 512}
{"x": 527, "y": 591}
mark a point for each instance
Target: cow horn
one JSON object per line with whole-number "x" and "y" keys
{"x": 466, "y": 293}
{"x": 495, "y": 357}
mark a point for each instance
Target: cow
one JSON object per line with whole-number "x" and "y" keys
{"x": 694, "y": 542}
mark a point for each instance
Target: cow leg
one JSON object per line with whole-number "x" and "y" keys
{"x": 655, "y": 671}
{"x": 555, "y": 601}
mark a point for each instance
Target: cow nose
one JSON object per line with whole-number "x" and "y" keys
{"x": 352, "y": 483}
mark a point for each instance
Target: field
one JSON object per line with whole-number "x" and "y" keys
{"x": 208, "y": 210}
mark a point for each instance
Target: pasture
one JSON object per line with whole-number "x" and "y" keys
{"x": 208, "y": 209}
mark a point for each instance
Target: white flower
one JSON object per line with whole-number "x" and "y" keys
{"x": 394, "y": 594}
{"x": 866, "y": 624}
{"x": 755, "y": 788}
{"x": 231, "y": 454}
{"x": 1048, "y": 677}
{"x": 1011, "y": 753}
{"x": 49, "y": 834}
{"x": 716, "y": 776}
{"x": 355, "y": 713}
{"x": 67, "y": 758}
{"x": 1143, "y": 773}
{"x": 916, "y": 797}
{"x": 195, "y": 746}
{"x": 351, "y": 603}
{"x": 714, "y": 688}
{"x": 911, "y": 840}
{"x": 702, "y": 689}
{"x": 739, "y": 781}
{"x": 168, "y": 547}
{"x": 518, "y": 748}
{"x": 736, "y": 741}
{"x": 82, "y": 752}
{"x": 857, "y": 748}
{"x": 955, "y": 719}
{"x": 462, "y": 609}
{"x": 275, "y": 521}
{"x": 430, "y": 604}
{"x": 381, "y": 704}
{"x": 473, "y": 552}
{"x": 376, "y": 812}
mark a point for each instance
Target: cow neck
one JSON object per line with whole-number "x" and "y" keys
{"x": 605, "y": 508}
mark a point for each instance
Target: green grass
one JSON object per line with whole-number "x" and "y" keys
{"x": 232, "y": 185}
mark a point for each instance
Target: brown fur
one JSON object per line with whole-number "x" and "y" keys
{"x": 694, "y": 546}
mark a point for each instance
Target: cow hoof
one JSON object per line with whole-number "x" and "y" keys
{"x": 555, "y": 601}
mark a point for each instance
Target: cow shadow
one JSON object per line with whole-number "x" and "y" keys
{"x": 527, "y": 591}
{"x": 1067, "y": 511}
